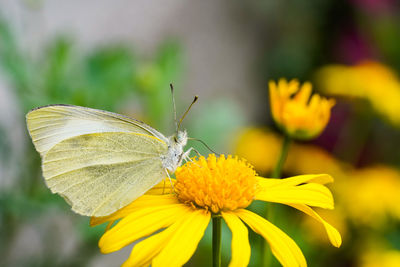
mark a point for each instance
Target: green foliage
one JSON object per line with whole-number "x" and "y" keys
{"x": 216, "y": 125}
{"x": 105, "y": 78}
{"x": 102, "y": 78}
{"x": 153, "y": 79}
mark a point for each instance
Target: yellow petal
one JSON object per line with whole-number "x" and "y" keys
{"x": 315, "y": 103}
{"x": 272, "y": 87}
{"x": 282, "y": 246}
{"x": 333, "y": 234}
{"x": 282, "y": 86}
{"x": 295, "y": 180}
{"x": 143, "y": 201}
{"x": 310, "y": 194}
{"x": 143, "y": 253}
{"x": 140, "y": 223}
{"x": 240, "y": 240}
{"x": 275, "y": 103}
{"x": 292, "y": 86}
{"x": 304, "y": 93}
{"x": 183, "y": 243}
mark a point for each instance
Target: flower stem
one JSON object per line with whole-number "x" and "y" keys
{"x": 216, "y": 241}
{"x": 277, "y": 172}
{"x": 266, "y": 255}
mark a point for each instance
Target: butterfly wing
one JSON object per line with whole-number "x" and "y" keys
{"x": 51, "y": 124}
{"x": 100, "y": 173}
{"x": 98, "y": 161}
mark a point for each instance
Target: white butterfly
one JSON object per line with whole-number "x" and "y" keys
{"x": 100, "y": 161}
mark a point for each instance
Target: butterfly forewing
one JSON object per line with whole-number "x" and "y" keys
{"x": 52, "y": 124}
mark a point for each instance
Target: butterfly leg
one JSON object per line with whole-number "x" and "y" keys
{"x": 197, "y": 152}
{"x": 187, "y": 158}
{"x": 186, "y": 155}
{"x": 163, "y": 190}
{"x": 169, "y": 177}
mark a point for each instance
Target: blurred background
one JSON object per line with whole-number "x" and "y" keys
{"x": 121, "y": 56}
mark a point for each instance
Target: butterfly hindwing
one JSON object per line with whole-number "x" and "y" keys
{"x": 99, "y": 173}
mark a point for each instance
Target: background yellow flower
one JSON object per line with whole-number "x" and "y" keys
{"x": 371, "y": 195}
{"x": 298, "y": 113}
{"x": 369, "y": 80}
{"x": 261, "y": 146}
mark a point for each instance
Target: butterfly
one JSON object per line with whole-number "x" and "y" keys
{"x": 100, "y": 161}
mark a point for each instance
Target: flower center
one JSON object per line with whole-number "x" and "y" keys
{"x": 216, "y": 184}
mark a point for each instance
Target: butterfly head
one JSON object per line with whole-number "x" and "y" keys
{"x": 181, "y": 138}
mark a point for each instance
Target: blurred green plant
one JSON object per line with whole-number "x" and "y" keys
{"x": 153, "y": 79}
{"x": 106, "y": 78}
{"x": 103, "y": 78}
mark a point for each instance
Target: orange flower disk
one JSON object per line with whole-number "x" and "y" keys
{"x": 216, "y": 184}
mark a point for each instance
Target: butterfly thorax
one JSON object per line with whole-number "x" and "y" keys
{"x": 174, "y": 156}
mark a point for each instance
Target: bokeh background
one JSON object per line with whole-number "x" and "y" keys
{"x": 121, "y": 56}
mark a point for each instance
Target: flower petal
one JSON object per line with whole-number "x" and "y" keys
{"x": 282, "y": 246}
{"x": 304, "y": 93}
{"x": 184, "y": 242}
{"x": 144, "y": 201}
{"x": 240, "y": 240}
{"x": 295, "y": 180}
{"x": 140, "y": 223}
{"x": 333, "y": 234}
{"x": 310, "y": 194}
{"x": 143, "y": 253}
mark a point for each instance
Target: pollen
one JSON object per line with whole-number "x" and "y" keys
{"x": 216, "y": 184}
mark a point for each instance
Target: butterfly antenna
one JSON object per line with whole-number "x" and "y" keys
{"x": 204, "y": 143}
{"x": 186, "y": 112}
{"x": 173, "y": 103}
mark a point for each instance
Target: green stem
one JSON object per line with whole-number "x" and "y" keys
{"x": 277, "y": 172}
{"x": 266, "y": 255}
{"x": 216, "y": 241}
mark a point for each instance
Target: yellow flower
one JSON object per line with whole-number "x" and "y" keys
{"x": 368, "y": 80}
{"x": 377, "y": 196}
{"x": 382, "y": 259}
{"x": 308, "y": 158}
{"x": 261, "y": 147}
{"x": 224, "y": 187}
{"x": 295, "y": 113}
